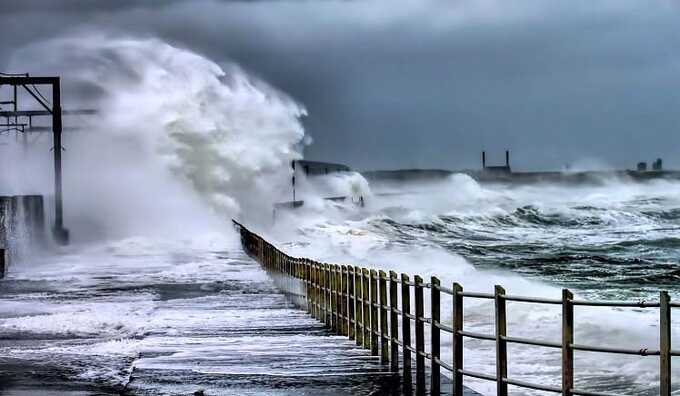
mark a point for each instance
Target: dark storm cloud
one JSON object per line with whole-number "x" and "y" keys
{"x": 430, "y": 83}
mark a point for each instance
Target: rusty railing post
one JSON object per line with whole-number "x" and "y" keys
{"x": 367, "y": 308}
{"x": 567, "y": 342}
{"x": 420, "y": 335}
{"x": 317, "y": 291}
{"x": 665, "y": 344}
{"x": 322, "y": 290}
{"x": 359, "y": 304}
{"x": 394, "y": 323}
{"x": 329, "y": 297}
{"x": 310, "y": 286}
{"x": 359, "y": 288}
{"x": 351, "y": 304}
{"x": 312, "y": 277}
{"x": 501, "y": 345}
{"x": 384, "y": 342}
{"x": 435, "y": 376}
{"x": 374, "y": 312}
{"x": 344, "y": 301}
{"x": 457, "y": 341}
{"x": 317, "y": 296}
{"x": 308, "y": 283}
{"x": 406, "y": 327}
{"x": 338, "y": 300}
{"x": 334, "y": 299}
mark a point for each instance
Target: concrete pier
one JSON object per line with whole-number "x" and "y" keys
{"x": 174, "y": 323}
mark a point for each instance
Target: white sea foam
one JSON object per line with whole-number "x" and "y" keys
{"x": 359, "y": 242}
{"x": 177, "y": 131}
{"x": 174, "y": 129}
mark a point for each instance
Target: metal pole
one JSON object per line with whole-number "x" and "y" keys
{"x": 434, "y": 337}
{"x": 329, "y": 297}
{"x": 344, "y": 300}
{"x": 501, "y": 346}
{"x": 567, "y": 341}
{"x": 60, "y": 234}
{"x": 394, "y": 323}
{"x": 359, "y": 304}
{"x": 315, "y": 287}
{"x": 457, "y": 342}
{"x": 317, "y": 291}
{"x": 322, "y": 293}
{"x": 338, "y": 300}
{"x": 367, "y": 308}
{"x": 406, "y": 327}
{"x": 374, "y": 313}
{"x": 665, "y": 344}
{"x": 351, "y": 305}
{"x": 334, "y": 298}
{"x": 420, "y": 335}
{"x": 308, "y": 285}
{"x": 24, "y": 138}
{"x": 384, "y": 342}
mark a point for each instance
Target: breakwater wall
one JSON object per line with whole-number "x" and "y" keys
{"x": 22, "y": 228}
{"x": 511, "y": 177}
{"x": 387, "y": 313}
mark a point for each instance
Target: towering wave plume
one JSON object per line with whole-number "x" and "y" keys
{"x": 168, "y": 112}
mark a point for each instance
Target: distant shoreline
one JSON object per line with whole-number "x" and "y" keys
{"x": 491, "y": 176}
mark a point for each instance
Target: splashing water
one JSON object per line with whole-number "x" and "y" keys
{"x": 168, "y": 118}
{"x": 614, "y": 241}
{"x": 176, "y": 131}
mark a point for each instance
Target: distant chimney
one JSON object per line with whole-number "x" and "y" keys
{"x": 507, "y": 158}
{"x": 483, "y": 159}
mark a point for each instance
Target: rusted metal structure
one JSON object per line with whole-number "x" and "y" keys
{"x": 21, "y": 121}
{"x": 345, "y": 298}
{"x": 497, "y": 169}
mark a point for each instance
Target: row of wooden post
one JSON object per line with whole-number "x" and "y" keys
{"x": 356, "y": 302}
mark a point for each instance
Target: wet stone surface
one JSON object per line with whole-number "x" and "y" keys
{"x": 146, "y": 325}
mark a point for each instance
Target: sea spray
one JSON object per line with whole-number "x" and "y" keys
{"x": 512, "y": 235}
{"x": 172, "y": 127}
{"x": 177, "y": 130}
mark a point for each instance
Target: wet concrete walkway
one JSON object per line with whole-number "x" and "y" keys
{"x": 258, "y": 343}
{"x": 143, "y": 318}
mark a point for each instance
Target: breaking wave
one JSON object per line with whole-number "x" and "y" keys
{"x": 615, "y": 240}
{"x": 172, "y": 125}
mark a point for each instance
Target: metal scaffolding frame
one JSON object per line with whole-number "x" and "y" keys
{"x": 53, "y": 110}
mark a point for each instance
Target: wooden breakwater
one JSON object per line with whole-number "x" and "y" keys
{"x": 374, "y": 308}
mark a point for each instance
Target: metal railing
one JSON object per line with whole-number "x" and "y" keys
{"x": 353, "y": 301}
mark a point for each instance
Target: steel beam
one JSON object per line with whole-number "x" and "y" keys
{"x": 60, "y": 233}
{"x": 29, "y": 80}
{"x": 35, "y": 113}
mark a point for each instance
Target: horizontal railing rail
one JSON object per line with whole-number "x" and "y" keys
{"x": 374, "y": 309}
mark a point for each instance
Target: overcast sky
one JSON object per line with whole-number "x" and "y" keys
{"x": 394, "y": 84}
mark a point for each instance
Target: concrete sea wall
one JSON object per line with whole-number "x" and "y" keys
{"x": 22, "y": 228}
